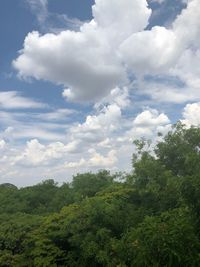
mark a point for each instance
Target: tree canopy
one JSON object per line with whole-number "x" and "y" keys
{"x": 150, "y": 217}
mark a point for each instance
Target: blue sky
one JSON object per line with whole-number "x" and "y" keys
{"x": 79, "y": 80}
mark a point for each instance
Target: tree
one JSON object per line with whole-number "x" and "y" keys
{"x": 179, "y": 151}
{"x": 88, "y": 184}
{"x": 166, "y": 240}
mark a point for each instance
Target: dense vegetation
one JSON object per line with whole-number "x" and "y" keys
{"x": 150, "y": 217}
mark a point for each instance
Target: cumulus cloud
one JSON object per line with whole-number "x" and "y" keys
{"x": 36, "y": 153}
{"x": 104, "y": 139}
{"x": 165, "y": 46}
{"x": 107, "y": 121}
{"x": 149, "y": 118}
{"x": 187, "y": 25}
{"x": 157, "y": 56}
{"x": 99, "y": 160}
{"x": 114, "y": 60}
{"x": 148, "y": 123}
{"x": 117, "y": 96}
{"x": 85, "y": 62}
{"x": 119, "y": 19}
{"x": 96, "y": 160}
{"x": 80, "y": 61}
{"x": 171, "y": 57}
{"x": 191, "y": 114}
{"x": 89, "y": 63}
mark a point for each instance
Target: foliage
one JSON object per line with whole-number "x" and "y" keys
{"x": 151, "y": 217}
{"x": 164, "y": 240}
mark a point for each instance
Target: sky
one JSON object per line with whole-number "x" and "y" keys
{"x": 80, "y": 80}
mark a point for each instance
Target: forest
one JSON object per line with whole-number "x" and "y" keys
{"x": 149, "y": 217}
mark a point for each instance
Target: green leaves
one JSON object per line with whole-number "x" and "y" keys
{"x": 179, "y": 151}
{"x": 148, "y": 218}
{"x": 165, "y": 240}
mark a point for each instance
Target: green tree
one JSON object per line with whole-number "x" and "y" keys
{"x": 179, "y": 151}
{"x": 167, "y": 240}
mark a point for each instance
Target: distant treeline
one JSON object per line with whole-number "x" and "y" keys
{"x": 149, "y": 217}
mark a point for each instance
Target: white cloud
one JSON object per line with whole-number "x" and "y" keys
{"x": 39, "y": 8}
{"x": 149, "y": 118}
{"x": 80, "y": 61}
{"x": 91, "y": 62}
{"x": 169, "y": 51}
{"x": 47, "y": 125}
{"x": 165, "y": 46}
{"x": 20, "y": 125}
{"x": 147, "y": 124}
{"x": 97, "y": 127}
{"x": 37, "y": 131}
{"x": 157, "y": 56}
{"x": 105, "y": 143}
{"x": 13, "y": 100}
{"x": 169, "y": 91}
{"x": 105, "y": 61}
{"x": 48, "y": 21}
{"x": 96, "y": 160}
{"x": 104, "y": 139}
{"x": 2, "y": 144}
{"x": 99, "y": 160}
{"x": 191, "y": 114}
{"x": 171, "y": 56}
{"x": 82, "y": 162}
{"x": 36, "y": 153}
{"x": 187, "y": 68}
{"x": 117, "y": 96}
{"x": 85, "y": 62}
{"x": 187, "y": 25}
{"x": 105, "y": 120}
{"x": 119, "y": 19}
{"x": 59, "y": 114}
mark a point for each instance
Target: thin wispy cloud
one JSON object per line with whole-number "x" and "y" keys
{"x": 52, "y": 22}
{"x": 13, "y": 100}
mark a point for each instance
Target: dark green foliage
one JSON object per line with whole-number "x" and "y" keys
{"x": 179, "y": 152}
{"x": 151, "y": 217}
{"x": 14, "y": 231}
{"x": 88, "y": 184}
{"x": 165, "y": 240}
